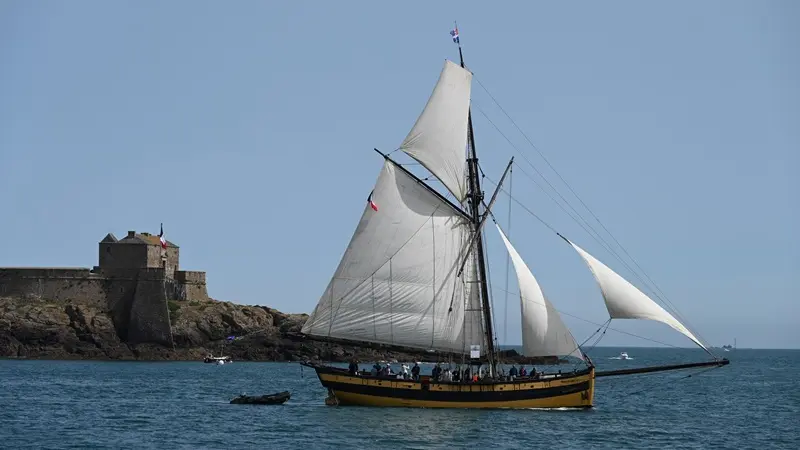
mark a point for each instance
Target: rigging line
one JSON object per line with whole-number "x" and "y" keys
{"x": 650, "y": 388}
{"x": 600, "y": 337}
{"x": 523, "y": 207}
{"x": 558, "y": 174}
{"x": 595, "y": 323}
{"x": 508, "y": 262}
{"x": 389, "y": 260}
{"x": 433, "y": 283}
{"x": 580, "y": 346}
{"x": 635, "y": 274}
{"x": 587, "y": 227}
{"x": 538, "y": 172}
{"x": 605, "y": 324}
{"x": 599, "y": 239}
{"x": 489, "y": 282}
{"x": 596, "y": 341}
{"x": 655, "y": 288}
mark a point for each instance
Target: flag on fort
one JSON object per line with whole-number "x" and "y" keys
{"x": 371, "y": 203}
{"x": 161, "y": 237}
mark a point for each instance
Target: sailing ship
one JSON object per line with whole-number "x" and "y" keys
{"x": 414, "y": 276}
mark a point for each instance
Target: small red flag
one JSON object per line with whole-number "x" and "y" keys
{"x": 371, "y": 203}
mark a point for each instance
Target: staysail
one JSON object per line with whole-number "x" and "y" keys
{"x": 543, "y": 331}
{"x": 626, "y": 301}
{"x": 396, "y": 283}
{"x": 438, "y": 139}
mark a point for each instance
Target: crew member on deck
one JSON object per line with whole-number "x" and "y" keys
{"x": 522, "y": 372}
{"x": 415, "y": 371}
{"x": 512, "y": 372}
{"x": 353, "y": 367}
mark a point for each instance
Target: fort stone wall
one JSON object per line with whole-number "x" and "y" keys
{"x": 54, "y": 284}
{"x": 194, "y": 285}
{"x": 122, "y": 256}
{"x": 149, "y": 319}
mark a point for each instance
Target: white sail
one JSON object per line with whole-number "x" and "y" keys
{"x": 438, "y": 139}
{"x": 626, "y": 301}
{"x": 397, "y": 279}
{"x": 543, "y": 331}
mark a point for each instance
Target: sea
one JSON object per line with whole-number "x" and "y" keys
{"x": 752, "y": 403}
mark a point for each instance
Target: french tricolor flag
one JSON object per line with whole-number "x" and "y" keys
{"x": 161, "y": 237}
{"x": 371, "y": 203}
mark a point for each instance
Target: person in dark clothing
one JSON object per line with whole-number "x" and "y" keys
{"x": 512, "y": 372}
{"x": 466, "y": 375}
{"x": 523, "y": 372}
{"x": 415, "y": 371}
{"x": 353, "y": 368}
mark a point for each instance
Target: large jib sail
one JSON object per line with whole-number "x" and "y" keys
{"x": 543, "y": 331}
{"x": 438, "y": 139}
{"x": 396, "y": 283}
{"x": 625, "y": 301}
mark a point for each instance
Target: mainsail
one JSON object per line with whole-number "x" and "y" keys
{"x": 626, "y": 301}
{"x": 438, "y": 139}
{"x": 543, "y": 331}
{"x": 396, "y": 283}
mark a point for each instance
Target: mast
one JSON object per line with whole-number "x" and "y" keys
{"x": 475, "y": 197}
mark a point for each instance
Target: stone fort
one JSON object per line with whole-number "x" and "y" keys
{"x": 133, "y": 281}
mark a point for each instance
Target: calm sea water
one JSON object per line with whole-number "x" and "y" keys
{"x": 752, "y": 403}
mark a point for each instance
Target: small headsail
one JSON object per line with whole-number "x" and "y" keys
{"x": 397, "y": 279}
{"x": 438, "y": 139}
{"x": 543, "y": 331}
{"x": 626, "y": 301}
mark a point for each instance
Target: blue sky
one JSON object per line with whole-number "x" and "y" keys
{"x": 248, "y": 128}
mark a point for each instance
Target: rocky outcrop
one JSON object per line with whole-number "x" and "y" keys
{"x": 35, "y": 328}
{"x": 31, "y": 328}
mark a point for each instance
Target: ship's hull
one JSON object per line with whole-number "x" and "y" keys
{"x": 566, "y": 391}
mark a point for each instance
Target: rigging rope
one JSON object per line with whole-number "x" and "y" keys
{"x": 491, "y": 297}
{"x": 543, "y": 222}
{"x": 334, "y": 315}
{"x": 652, "y": 286}
{"x": 598, "y": 324}
{"x": 508, "y": 263}
{"x": 651, "y": 387}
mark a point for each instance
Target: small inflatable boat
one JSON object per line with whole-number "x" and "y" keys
{"x": 271, "y": 399}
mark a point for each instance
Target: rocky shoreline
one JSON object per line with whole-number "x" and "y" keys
{"x": 38, "y": 329}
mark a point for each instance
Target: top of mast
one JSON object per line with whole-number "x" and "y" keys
{"x": 454, "y": 33}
